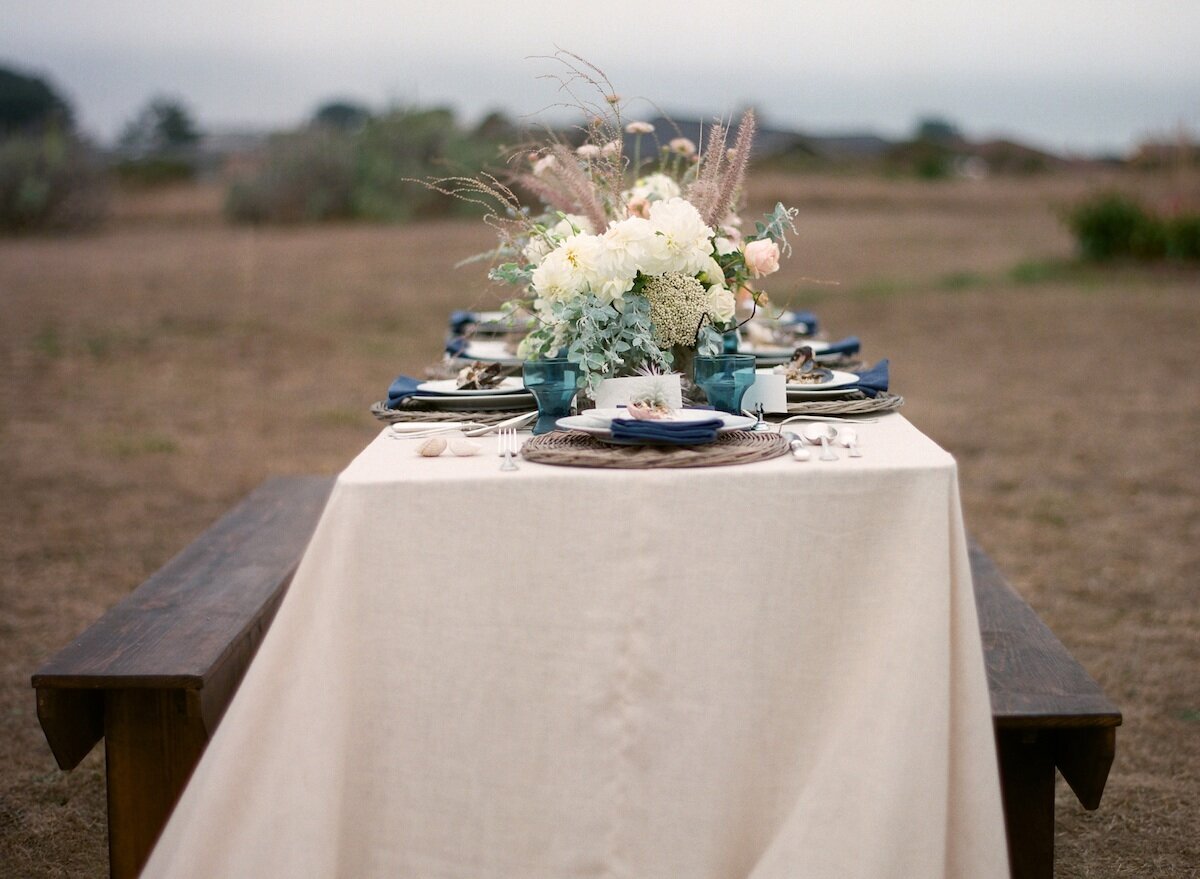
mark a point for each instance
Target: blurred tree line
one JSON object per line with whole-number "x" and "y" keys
{"x": 349, "y": 163}
{"x": 50, "y": 177}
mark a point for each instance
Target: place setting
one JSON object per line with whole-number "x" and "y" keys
{"x": 484, "y": 393}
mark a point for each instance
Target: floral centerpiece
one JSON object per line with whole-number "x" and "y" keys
{"x": 633, "y": 262}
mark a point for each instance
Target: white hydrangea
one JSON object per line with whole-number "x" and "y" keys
{"x": 682, "y": 243}
{"x": 557, "y": 279}
{"x": 627, "y": 245}
{"x": 654, "y": 187}
{"x": 540, "y": 245}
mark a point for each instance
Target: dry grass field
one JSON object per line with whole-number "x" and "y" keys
{"x": 156, "y": 371}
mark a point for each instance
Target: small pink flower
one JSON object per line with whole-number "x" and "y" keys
{"x": 588, "y": 151}
{"x": 612, "y": 148}
{"x": 762, "y": 257}
{"x": 639, "y": 128}
{"x": 639, "y": 206}
{"x": 683, "y": 146}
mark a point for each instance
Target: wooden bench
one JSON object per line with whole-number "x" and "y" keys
{"x": 1048, "y": 713}
{"x": 154, "y": 675}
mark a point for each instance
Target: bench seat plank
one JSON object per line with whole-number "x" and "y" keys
{"x": 1033, "y": 680}
{"x": 175, "y": 628}
{"x": 192, "y": 626}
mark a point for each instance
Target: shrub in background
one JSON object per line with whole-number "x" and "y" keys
{"x": 50, "y": 181}
{"x": 159, "y": 145}
{"x": 1183, "y": 237}
{"x": 1113, "y": 225}
{"x": 305, "y": 176}
{"x": 327, "y": 171}
{"x": 49, "y": 178}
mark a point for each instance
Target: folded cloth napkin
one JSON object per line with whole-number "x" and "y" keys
{"x": 456, "y": 345}
{"x": 847, "y": 346}
{"x": 679, "y": 433}
{"x": 461, "y": 320}
{"x": 404, "y": 387}
{"x": 873, "y": 381}
{"x": 804, "y": 321}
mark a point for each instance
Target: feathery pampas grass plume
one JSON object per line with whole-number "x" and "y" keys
{"x": 733, "y": 175}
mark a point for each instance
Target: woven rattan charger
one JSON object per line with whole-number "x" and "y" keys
{"x": 575, "y": 449}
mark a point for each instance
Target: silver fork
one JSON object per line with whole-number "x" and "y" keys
{"x": 508, "y": 447}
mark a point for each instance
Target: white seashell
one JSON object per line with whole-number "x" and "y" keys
{"x": 463, "y": 447}
{"x": 432, "y": 447}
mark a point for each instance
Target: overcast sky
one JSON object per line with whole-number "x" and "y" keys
{"x": 1066, "y": 74}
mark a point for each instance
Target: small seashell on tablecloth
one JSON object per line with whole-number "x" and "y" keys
{"x": 432, "y": 447}
{"x": 463, "y": 447}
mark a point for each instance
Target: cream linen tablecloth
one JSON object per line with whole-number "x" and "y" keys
{"x": 768, "y": 671}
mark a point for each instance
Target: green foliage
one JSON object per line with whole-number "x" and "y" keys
{"x": 307, "y": 176}
{"x": 154, "y": 171}
{"x": 327, "y": 172}
{"x": 342, "y": 115}
{"x": 935, "y": 129}
{"x": 600, "y": 337}
{"x": 1112, "y": 225}
{"x": 29, "y": 104}
{"x": 1183, "y": 237}
{"x": 158, "y": 145}
{"x": 49, "y": 181}
{"x": 164, "y": 125}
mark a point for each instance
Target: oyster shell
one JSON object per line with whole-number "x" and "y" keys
{"x": 645, "y": 410}
{"x": 480, "y": 376}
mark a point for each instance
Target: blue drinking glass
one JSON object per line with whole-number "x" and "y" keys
{"x": 553, "y": 383}
{"x": 725, "y": 378}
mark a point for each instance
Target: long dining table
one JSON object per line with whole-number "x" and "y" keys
{"x": 763, "y": 671}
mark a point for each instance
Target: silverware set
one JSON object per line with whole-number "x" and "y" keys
{"x": 468, "y": 428}
{"x": 825, "y": 436}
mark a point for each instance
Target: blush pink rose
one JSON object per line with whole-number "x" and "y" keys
{"x": 762, "y": 257}
{"x": 639, "y": 206}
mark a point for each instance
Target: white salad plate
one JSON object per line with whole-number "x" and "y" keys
{"x": 492, "y": 350}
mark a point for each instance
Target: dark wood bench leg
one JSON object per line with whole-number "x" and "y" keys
{"x": 151, "y": 745}
{"x": 1027, "y": 786}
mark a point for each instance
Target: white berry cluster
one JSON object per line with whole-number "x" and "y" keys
{"x": 678, "y": 305}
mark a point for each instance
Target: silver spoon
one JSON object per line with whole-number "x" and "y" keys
{"x": 848, "y": 437}
{"x": 822, "y": 434}
{"x": 796, "y": 444}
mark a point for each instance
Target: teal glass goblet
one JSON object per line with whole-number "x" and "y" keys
{"x": 553, "y": 383}
{"x": 725, "y": 378}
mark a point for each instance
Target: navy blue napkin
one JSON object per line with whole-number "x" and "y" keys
{"x": 805, "y": 322}
{"x": 456, "y": 345}
{"x": 873, "y": 381}
{"x": 679, "y": 433}
{"x": 847, "y": 346}
{"x": 404, "y": 387}
{"x": 461, "y": 321}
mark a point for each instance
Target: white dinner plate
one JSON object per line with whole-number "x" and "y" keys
{"x": 774, "y": 351}
{"x": 837, "y": 379}
{"x": 448, "y": 387}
